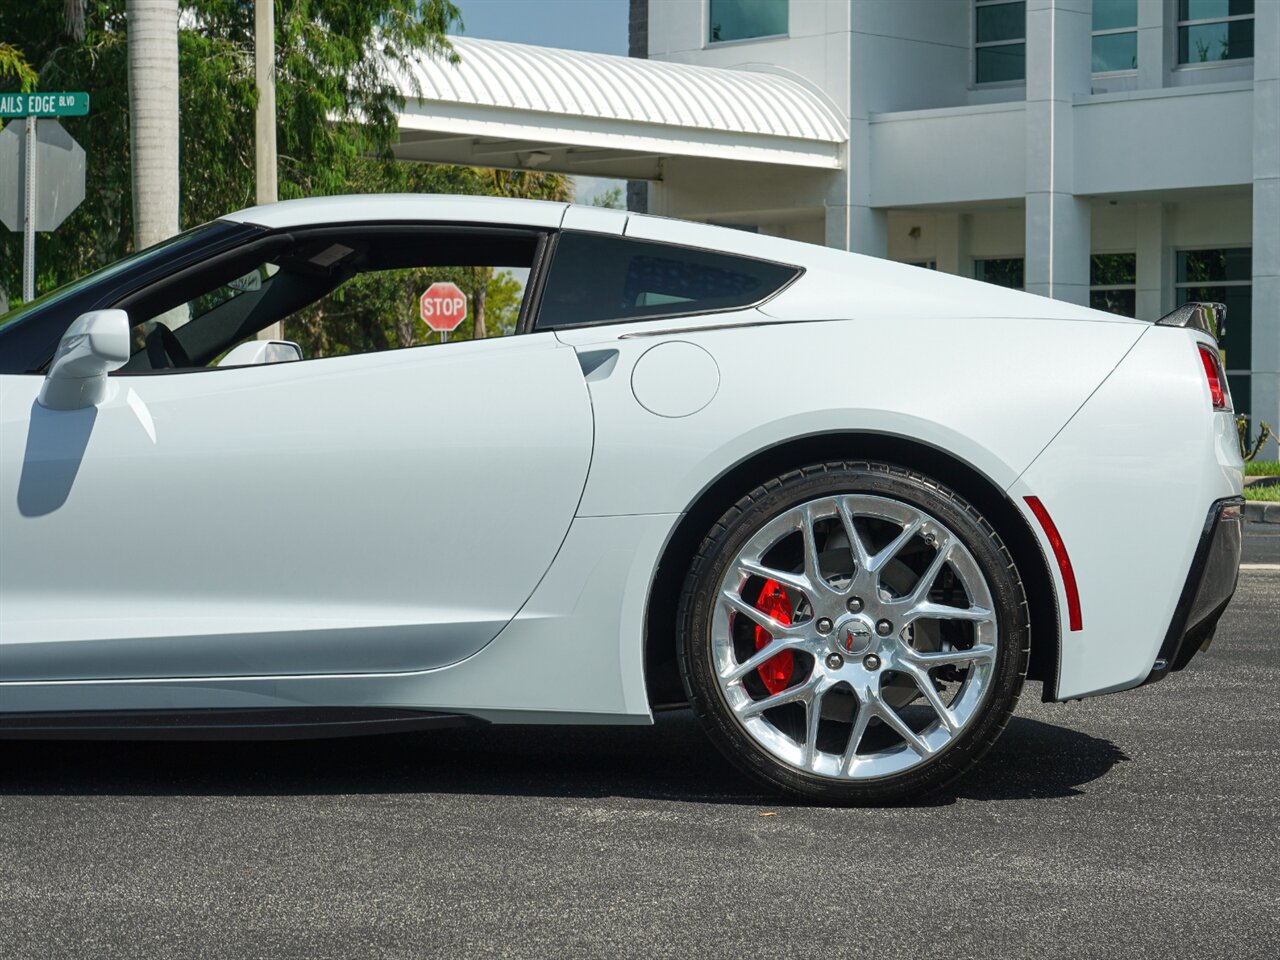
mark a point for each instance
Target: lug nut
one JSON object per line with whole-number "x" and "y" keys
{"x": 854, "y": 604}
{"x": 834, "y": 661}
{"x": 824, "y": 625}
{"x": 871, "y": 661}
{"x": 884, "y": 628}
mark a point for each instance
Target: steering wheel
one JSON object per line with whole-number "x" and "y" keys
{"x": 163, "y": 349}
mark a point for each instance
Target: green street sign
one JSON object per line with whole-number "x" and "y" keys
{"x": 58, "y": 104}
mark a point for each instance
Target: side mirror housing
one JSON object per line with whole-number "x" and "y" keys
{"x": 93, "y": 346}
{"x": 255, "y": 352}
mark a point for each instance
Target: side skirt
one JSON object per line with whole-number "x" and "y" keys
{"x": 276, "y": 723}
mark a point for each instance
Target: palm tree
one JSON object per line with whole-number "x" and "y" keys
{"x": 153, "y": 118}
{"x": 73, "y": 13}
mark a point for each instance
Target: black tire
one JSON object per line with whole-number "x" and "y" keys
{"x": 772, "y": 498}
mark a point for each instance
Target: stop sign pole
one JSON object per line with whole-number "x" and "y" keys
{"x": 29, "y": 215}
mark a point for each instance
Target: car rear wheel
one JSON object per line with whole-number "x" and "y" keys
{"x": 853, "y": 632}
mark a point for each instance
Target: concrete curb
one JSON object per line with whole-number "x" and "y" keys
{"x": 1260, "y": 512}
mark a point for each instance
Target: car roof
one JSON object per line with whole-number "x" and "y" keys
{"x": 839, "y": 282}
{"x": 445, "y": 208}
{"x": 544, "y": 214}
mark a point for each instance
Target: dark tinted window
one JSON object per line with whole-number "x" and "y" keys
{"x": 597, "y": 279}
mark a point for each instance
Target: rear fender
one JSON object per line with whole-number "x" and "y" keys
{"x": 1127, "y": 482}
{"x": 991, "y": 392}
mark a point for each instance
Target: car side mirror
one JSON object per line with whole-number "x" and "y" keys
{"x": 254, "y": 352}
{"x": 97, "y": 343}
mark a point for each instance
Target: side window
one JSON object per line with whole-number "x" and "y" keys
{"x": 335, "y": 292}
{"x": 601, "y": 279}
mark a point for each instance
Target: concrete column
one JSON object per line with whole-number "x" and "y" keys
{"x": 1266, "y": 219}
{"x": 951, "y": 246}
{"x": 1154, "y": 262}
{"x": 1059, "y": 51}
{"x": 638, "y": 46}
{"x": 852, "y": 223}
{"x": 836, "y": 205}
{"x": 1153, "y": 44}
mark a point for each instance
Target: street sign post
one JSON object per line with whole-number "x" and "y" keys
{"x": 41, "y": 169}
{"x": 443, "y": 308}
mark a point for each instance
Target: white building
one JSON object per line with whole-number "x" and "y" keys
{"x": 1124, "y": 152}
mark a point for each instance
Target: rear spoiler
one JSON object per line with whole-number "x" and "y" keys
{"x": 1208, "y": 317}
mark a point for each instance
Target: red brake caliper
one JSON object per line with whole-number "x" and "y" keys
{"x": 776, "y": 671}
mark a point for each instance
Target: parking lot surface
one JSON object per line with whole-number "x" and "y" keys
{"x": 1261, "y": 543}
{"x": 1140, "y": 825}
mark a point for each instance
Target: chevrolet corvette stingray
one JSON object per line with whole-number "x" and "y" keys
{"x": 840, "y": 506}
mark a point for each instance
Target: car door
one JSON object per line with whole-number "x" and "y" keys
{"x": 356, "y": 514}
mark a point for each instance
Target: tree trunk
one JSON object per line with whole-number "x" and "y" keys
{"x": 73, "y": 15}
{"x": 153, "y": 118}
{"x": 478, "y": 331}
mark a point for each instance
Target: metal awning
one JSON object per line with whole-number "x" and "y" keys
{"x": 517, "y": 106}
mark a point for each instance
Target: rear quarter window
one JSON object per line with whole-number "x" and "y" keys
{"x": 601, "y": 279}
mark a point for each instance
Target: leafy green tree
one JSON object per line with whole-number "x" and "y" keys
{"x": 610, "y": 199}
{"x": 337, "y": 125}
{"x": 379, "y": 311}
{"x": 14, "y": 69}
{"x": 336, "y": 102}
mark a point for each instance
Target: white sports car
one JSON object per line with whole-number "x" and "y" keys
{"x": 841, "y": 506}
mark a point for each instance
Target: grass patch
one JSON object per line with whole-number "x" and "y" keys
{"x": 1269, "y": 493}
{"x": 1262, "y": 468}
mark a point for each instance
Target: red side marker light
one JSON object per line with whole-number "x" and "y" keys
{"x": 1064, "y": 561}
{"x": 1213, "y": 373}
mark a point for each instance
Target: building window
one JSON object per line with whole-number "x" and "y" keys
{"x": 1113, "y": 283}
{"x": 1211, "y": 30}
{"x": 1004, "y": 272}
{"x": 1000, "y": 41}
{"x": 1224, "y": 276}
{"x": 924, "y": 264}
{"x": 746, "y": 19}
{"x": 1115, "y": 36}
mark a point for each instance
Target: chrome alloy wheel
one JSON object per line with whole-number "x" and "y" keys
{"x": 854, "y": 637}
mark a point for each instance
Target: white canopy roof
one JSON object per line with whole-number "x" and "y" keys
{"x": 514, "y": 105}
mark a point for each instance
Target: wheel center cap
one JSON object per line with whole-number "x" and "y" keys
{"x": 852, "y": 636}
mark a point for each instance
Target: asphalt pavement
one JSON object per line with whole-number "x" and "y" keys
{"x": 1261, "y": 543}
{"x": 1138, "y": 825}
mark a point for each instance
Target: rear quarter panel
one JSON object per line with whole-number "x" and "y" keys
{"x": 990, "y": 391}
{"x": 1129, "y": 482}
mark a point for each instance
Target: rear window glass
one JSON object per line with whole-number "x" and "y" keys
{"x": 599, "y": 279}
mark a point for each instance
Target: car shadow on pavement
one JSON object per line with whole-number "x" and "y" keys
{"x": 671, "y": 761}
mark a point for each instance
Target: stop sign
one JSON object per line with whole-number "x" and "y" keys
{"x": 443, "y": 307}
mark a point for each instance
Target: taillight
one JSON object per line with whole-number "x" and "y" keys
{"x": 1214, "y": 375}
